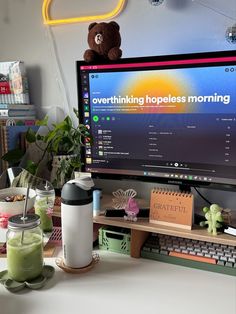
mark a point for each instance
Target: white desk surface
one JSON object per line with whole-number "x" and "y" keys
{"x": 120, "y": 284}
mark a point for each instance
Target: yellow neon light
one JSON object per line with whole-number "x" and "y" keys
{"x": 106, "y": 16}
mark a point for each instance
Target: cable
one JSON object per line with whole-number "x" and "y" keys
{"x": 6, "y": 12}
{"x": 206, "y": 200}
{"x": 214, "y": 10}
{"x": 58, "y": 73}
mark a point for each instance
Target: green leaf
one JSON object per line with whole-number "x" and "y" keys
{"x": 54, "y": 147}
{"x": 62, "y": 126}
{"x": 48, "y": 137}
{"x": 31, "y": 166}
{"x": 43, "y": 122}
{"x": 30, "y": 136}
{"x": 205, "y": 209}
{"x": 76, "y": 112}
{"x": 68, "y": 122}
{"x": 14, "y": 156}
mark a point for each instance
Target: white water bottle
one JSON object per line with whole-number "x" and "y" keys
{"x": 77, "y": 222}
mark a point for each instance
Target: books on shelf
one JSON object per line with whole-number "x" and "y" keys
{"x": 24, "y": 120}
{"x": 16, "y": 107}
{"x": 13, "y": 83}
{"x": 3, "y": 164}
{"x": 14, "y": 98}
{"x": 170, "y": 208}
{"x": 17, "y": 112}
{"x": 13, "y": 136}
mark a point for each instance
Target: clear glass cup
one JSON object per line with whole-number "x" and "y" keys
{"x": 44, "y": 203}
{"x": 24, "y": 247}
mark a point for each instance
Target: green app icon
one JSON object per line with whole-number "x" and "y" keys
{"x": 95, "y": 118}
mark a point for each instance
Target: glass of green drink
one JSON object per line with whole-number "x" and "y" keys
{"x": 24, "y": 247}
{"x": 44, "y": 203}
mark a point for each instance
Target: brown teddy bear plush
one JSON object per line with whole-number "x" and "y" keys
{"x": 104, "y": 40}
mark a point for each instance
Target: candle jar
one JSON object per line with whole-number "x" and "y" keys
{"x": 44, "y": 203}
{"x": 24, "y": 247}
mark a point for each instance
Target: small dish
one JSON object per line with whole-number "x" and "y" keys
{"x": 14, "y": 286}
{"x": 34, "y": 284}
{"x": 48, "y": 271}
{"x": 15, "y": 208}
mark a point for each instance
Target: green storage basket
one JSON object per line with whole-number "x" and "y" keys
{"x": 114, "y": 239}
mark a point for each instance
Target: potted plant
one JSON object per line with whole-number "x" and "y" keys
{"x": 61, "y": 145}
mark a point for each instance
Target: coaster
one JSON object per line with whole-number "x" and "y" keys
{"x": 34, "y": 284}
{"x": 60, "y": 263}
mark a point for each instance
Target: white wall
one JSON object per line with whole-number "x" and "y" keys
{"x": 176, "y": 26}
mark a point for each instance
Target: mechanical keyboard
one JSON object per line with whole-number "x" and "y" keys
{"x": 191, "y": 253}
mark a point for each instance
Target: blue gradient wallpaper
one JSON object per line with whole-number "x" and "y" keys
{"x": 188, "y": 90}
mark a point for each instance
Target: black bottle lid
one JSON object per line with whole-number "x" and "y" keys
{"x": 78, "y": 192}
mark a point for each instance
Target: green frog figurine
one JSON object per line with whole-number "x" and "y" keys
{"x": 213, "y": 218}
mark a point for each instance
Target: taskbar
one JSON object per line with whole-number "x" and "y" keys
{"x": 165, "y": 175}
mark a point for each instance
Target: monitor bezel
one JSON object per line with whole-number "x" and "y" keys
{"x": 184, "y": 184}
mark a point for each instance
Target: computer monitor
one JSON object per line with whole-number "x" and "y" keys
{"x": 166, "y": 119}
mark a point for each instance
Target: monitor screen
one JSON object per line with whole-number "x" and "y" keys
{"x": 166, "y": 119}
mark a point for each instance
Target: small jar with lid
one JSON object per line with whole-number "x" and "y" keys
{"x": 24, "y": 247}
{"x": 44, "y": 203}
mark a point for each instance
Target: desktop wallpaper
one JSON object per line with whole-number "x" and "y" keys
{"x": 185, "y": 90}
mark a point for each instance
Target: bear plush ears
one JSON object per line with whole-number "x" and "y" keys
{"x": 104, "y": 41}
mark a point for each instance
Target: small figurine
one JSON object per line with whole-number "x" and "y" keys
{"x": 121, "y": 198}
{"x": 213, "y": 217}
{"x": 131, "y": 210}
{"x": 104, "y": 42}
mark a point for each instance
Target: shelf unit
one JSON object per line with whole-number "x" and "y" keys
{"x": 141, "y": 229}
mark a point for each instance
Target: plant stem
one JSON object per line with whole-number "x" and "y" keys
{"x": 42, "y": 157}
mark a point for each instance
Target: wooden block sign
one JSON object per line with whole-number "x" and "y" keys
{"x": 170, "y": 208}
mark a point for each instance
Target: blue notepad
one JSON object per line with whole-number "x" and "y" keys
{"x": 13, "y": 134}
